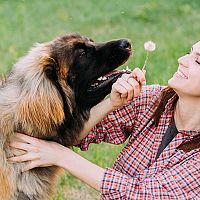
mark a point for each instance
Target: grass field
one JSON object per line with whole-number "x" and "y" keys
{"x": 173, "y": 25}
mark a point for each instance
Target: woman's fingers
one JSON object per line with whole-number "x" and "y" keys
{"x": 24, "y": 157}
{"x": 136, "y": 87}
{"x": 126, "y": 77}
{"x": 23, "y": 146}
{"x": 23, "y": 137}
{"x": 128, "y": 88}
{"x": 139, "y": 75}
{"x": 27, "y": 139}
{"x": 119, "y": 90}
{"x": 30, "y": 165}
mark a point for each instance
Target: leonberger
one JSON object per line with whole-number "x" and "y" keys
{"x": 48, "y": 94}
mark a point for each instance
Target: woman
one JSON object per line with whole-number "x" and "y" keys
{"x": 162, "y": 157}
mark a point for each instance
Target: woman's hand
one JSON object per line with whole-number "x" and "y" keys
{"x": 127, "y": 87}
{"x": 40, "y": 153}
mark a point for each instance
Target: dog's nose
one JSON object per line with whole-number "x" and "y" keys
{"x": 125, "y": 44}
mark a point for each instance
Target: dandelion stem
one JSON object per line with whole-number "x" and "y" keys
{"x": 145, "y": 62}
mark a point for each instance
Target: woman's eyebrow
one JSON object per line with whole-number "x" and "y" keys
{"x": 198, "y": 53}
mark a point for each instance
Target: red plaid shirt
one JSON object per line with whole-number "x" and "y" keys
{"x": 136, "y": 174}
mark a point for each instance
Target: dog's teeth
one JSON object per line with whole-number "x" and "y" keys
{"x": 100, "y": 78}
{"x": 94, "y": 84}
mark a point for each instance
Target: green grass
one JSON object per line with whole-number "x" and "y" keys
{"x": 172, "y": 24}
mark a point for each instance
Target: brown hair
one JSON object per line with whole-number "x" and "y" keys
{"x": 166, "y": 94}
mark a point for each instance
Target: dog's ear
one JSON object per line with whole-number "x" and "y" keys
{"x": 55, "y": 71}
{"x": 45, "y": 101}
{"x": 40, "y": 107}
{"x": 51, "y": 69}
{"x": 58, "y": 76}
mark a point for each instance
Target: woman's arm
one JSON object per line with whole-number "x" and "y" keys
{"x": 83, "y": 169}
{"x": 41, "y": 153}
{"x": 123, "y": 90}
{"x": 180, "y": 181}
{"x": 97, "y": 113}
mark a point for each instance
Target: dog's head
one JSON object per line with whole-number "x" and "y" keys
{"x": 71, "y": 72}
{"x": 88, "y": 65}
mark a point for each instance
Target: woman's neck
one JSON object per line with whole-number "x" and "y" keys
{"x": 187, "y": 113}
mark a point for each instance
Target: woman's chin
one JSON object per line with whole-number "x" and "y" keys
{"x": 171, "y": 82}
{"x": 175, "y": 81}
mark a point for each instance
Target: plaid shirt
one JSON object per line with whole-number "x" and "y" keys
{"x": 136, "y": 174}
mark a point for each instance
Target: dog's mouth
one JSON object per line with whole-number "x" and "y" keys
{"x": 102, "y": 85}
{"x": 105, "y": 81}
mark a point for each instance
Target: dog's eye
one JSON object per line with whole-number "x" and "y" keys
{"x": 82, "y": 52}
{"x": 91, "y": 40}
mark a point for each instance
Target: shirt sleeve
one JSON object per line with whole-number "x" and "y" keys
{"x": 181, "y": 181}
{"x": 116, "y": 127}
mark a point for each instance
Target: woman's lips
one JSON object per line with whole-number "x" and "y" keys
{"x": 180, "y": 73}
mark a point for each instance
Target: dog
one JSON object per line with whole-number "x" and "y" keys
{"x": 48, "y": 94}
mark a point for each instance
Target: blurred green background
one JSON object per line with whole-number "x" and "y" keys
{"x": 174, "y": 25}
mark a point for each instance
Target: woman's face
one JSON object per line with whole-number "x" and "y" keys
{"x": 186, "y": 80}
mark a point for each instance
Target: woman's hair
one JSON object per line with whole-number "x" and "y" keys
{"x": 166, "y": 94}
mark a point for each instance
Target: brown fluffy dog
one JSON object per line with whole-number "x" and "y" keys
{"x": 48, "y": 95}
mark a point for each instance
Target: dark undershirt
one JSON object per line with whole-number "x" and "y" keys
{"x": 167, "y": 138}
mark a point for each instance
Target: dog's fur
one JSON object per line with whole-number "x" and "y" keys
{"x": 48, "y": 95}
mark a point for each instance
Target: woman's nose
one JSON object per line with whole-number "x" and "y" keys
{"x": 183, "y": 61}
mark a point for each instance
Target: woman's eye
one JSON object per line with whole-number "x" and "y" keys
{"x": 197, "y": 59}
{"x": 198, "y": 62}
